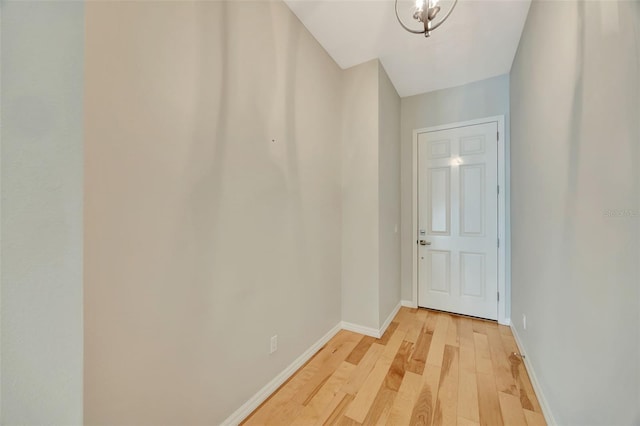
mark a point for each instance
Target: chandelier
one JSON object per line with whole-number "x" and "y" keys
{"x": 426, "y": 12}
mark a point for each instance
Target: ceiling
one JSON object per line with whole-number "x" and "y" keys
{"x": 478, "y": 41}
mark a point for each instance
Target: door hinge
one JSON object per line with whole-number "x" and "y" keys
{"x": 498, "y": 189}
{"x": 498, "y": 242}
{"x": 498, "y": 135}
{"x": 498, "y": 296}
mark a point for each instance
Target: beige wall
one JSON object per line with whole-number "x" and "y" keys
{"x": 485, "y": 98}
{"x": 360, "y": 198}
{"x": 575, "y": 156}
{"x": 370, "y": 196}
{"x": 41, "y": 215}
{"x": 388, "y": 194}
{"x": 212, "y": 205}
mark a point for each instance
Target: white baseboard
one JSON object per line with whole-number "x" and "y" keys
{"x": 409, "y": 303}
{"x": 370, "y": 331}
{"x": 361, "y": 329}
{"x": 546, "y": 410}
{"x": 254, "y": 402}
{"x": 390, "y": 318}
{"x": 507, "y": 322}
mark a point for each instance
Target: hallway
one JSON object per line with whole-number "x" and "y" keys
{"x": 429, "y": 368}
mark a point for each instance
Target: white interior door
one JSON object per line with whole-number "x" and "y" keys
{"x": 458, "y": 220}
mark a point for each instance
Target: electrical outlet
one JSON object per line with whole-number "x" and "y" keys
{"x": 274, "y": 343}
{"x": 524, "y": 321}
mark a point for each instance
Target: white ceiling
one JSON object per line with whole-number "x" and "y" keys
{"x": 478, "y": 41}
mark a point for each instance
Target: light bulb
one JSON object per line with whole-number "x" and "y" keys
{"x": 420, "y": 4}
{"x": 433, "y": 3}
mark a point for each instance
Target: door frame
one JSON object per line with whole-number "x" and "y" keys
{"x": 504, "y": 257}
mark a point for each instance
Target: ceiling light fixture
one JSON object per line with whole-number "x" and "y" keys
{"x": 425, "y": 12}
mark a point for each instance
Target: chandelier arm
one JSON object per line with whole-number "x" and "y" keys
{"x": 433, "y": 27}
{"x": 407, "y": 28}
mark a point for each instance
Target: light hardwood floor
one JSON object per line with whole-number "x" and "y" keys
{"x": 429, "y": 368}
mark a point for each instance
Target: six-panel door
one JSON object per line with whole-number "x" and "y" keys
{"x": 458, "y": 220}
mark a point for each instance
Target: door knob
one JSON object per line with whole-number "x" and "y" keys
{"x": 425, "y": 243}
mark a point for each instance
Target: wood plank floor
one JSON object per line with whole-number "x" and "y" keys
{"x": 429, "y": 368}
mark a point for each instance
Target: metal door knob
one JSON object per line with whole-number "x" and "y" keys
{"x": 424, "y": 243}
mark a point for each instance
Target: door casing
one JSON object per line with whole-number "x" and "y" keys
{"x": 504, "y": 258}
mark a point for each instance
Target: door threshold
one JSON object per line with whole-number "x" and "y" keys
{"x": 458, "y": 315}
